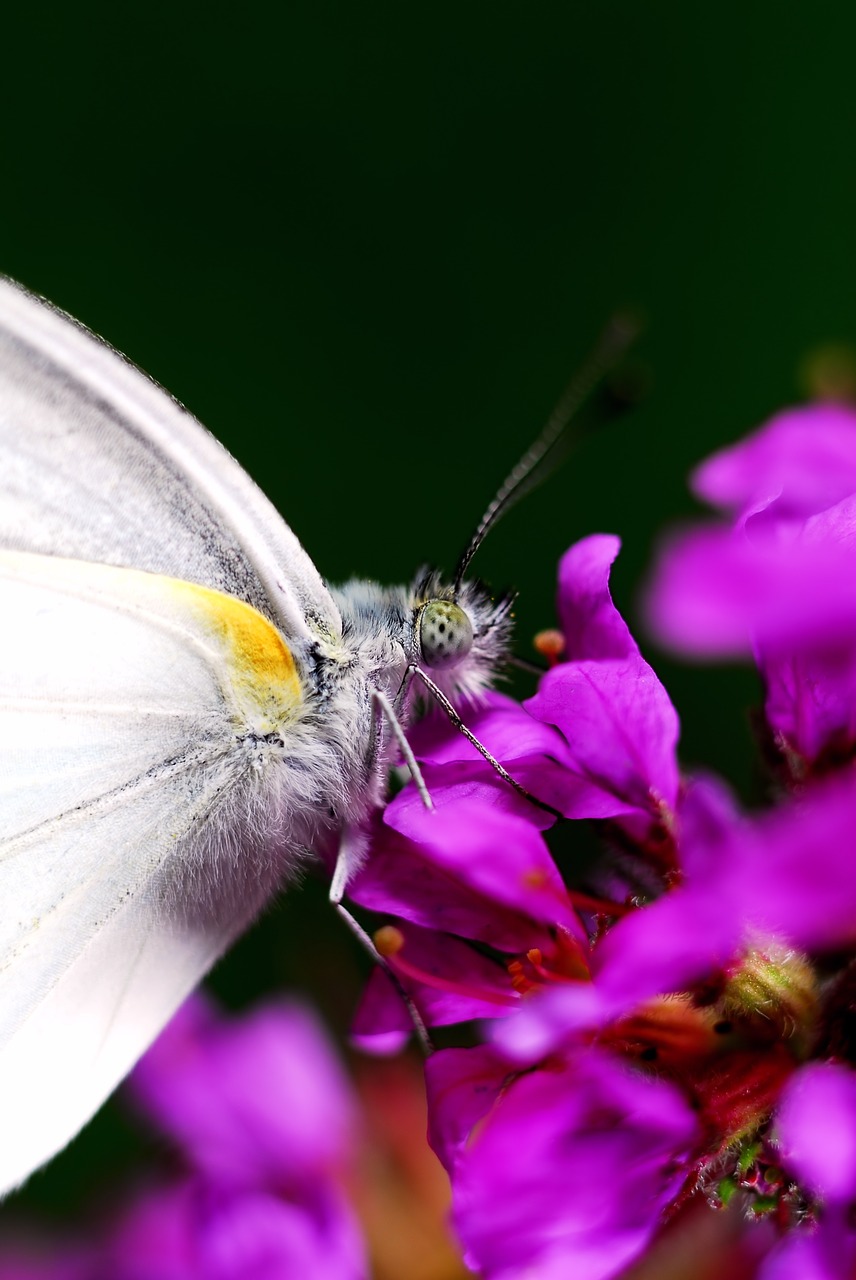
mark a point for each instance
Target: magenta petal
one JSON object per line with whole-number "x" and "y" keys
{"x": 462, "y": 1086}
{"x": 467, "y": 985}
{"x": 794, "y": 874}
{"x": 664, "y": 947}
{"x": 621, "y": 730}
{"x": 382, "y": 1024}
{"x": 592, "y": 626}
{"x": 810, "y": 702}
{"x": 475, "y": 780}
{"x": 497, "y": 721}
{"x": 454, "y": 770}
{"x": 668, "y": 946}
{"x": 190, "y": 1230}
{"x": 823, "y": 1252}
{"x": 788, "y": 874}
{"x": 702, "y": 594}
{"x": 708, "y": 821}
{"x": 465, "y": 869}
{"x": 546, "y": 1022}
{"x": 804, "y": 458}
{"x": 785, "y": 593}
{"x": 718, "y": 593}
{"x": 156, "y": 1234}
{"x": 261, "y": 1236}
{"x": 816, "y": 1130}
{"x": 602, "y": 1147}
{"x": 257, "y": 1099}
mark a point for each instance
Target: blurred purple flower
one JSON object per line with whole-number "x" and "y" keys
{"x": 780, "y": 582}
{"x": 800, "y": 462}
{"x": 260, "y": 1112}
{"x": 261, "y": 1118}
{"x": 256, "y": 1101}
{"x": 815, "y": 1138}
{"x": 193, "y": 1229}
{"x": 815, "y": 1131}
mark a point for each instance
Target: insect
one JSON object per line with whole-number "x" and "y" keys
{"x": 187, "y": 711}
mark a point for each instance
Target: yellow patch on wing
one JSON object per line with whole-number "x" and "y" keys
{"x": 263, "y": 677}
{"x": 255, "y": 668}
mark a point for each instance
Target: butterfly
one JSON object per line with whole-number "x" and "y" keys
{"x": 187, "y": 712}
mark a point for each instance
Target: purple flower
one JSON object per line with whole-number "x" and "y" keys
{"x": 260, "y": 1112}
{"x": 464, "y": 877}
{"x": 823, "y": 1254}
{"x": 564, "y": 1171}
{"x": 466, "y": 869}
{"x": 784, "y": 875}
{"x": 448, "y": 979}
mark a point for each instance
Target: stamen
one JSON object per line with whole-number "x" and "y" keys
{"x": 566, "y": 963}
{"x": 550, "y": 644}
{"x": 388, "y": 940}
{"x": 405, "y": 969}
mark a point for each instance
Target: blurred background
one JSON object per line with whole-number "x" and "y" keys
{"x": 368, "y": 244}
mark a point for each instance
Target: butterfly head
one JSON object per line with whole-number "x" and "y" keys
{"x": 461, "y": 635}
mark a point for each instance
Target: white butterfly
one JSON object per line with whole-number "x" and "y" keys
{"x": 186, "y": 711}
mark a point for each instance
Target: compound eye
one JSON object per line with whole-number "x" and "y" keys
{"x": 445, "y": 633}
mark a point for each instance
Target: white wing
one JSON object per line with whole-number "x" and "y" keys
{"x": 140, "y": 828}
{"x": 135, "y": 838}
{"x": 99, "y": 463}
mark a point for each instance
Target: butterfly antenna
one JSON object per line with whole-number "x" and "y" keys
{"x": 541, "y": 457}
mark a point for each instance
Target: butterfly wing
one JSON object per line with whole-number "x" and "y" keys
{"x": 139, "y": 830}
{"x": 98, "y": 463}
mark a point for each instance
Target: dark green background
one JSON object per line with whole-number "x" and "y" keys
{"x": 367, "y": 245}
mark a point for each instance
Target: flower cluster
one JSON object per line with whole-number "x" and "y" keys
{"x": 668, "y": 1028}
{"x": 671, "y": 1027}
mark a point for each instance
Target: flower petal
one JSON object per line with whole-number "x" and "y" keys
{"x": 816, "y": 1130}
{"x": 467, "y": 869}
{"x": 620, "y": 727}
{"x": 601, "y": 1146}
{"x": 255, "y": 1100}
{"x": 803, "y": 458}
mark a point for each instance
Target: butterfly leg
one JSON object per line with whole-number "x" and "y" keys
{"x": 351, "y": 853}
{"x": 386, "y": 708}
